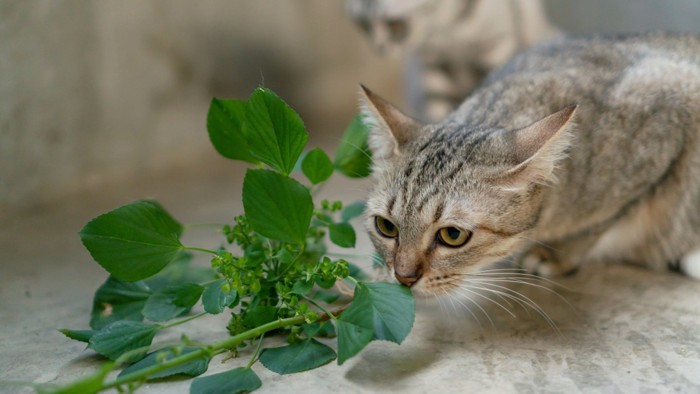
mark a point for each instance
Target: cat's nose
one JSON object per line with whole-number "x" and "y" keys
{"x": 408, "y": 280}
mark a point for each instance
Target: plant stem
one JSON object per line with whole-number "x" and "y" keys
{"x": 200, "y": 250}
{"x": 257, "y": 352}
{"x": 182, "y": 321}
{"x": 210, "y": 350}
{"x": 324, "y": 310}
{"x": 199, "y": 225}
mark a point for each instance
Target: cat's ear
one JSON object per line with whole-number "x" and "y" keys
{"x": 539, "y": 148}
{"x": 390, "y": 129}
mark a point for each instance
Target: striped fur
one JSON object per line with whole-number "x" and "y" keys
{"x": 618, "y": 179}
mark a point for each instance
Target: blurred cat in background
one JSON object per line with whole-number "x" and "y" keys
{"x": 451, "y": 44}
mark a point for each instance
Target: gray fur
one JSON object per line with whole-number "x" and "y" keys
{"x": 620, "y": 181}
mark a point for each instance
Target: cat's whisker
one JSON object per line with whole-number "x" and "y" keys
{"x": 499, "y": 296}
{"x": 454, "y": 308}
{"x": 475, "y": 303}
{"x": 522, "y": 282}
{"x": 529, "y": 302}
{"x": 459, "y": 288}
{"x": 503, "y": 294}
{"x": 443, "y": 308}
{"x": 515, "y": 275}
{"x": 449, "y": 296}
{"x": 514, "y": 272}
{"x": 543, "y": 244}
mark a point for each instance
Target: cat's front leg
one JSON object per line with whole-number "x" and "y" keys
{"x": 543, "y": 261}
{"x": 550, "y": 259}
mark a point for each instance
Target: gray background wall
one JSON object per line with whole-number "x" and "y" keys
{"x": 97, "y": 92}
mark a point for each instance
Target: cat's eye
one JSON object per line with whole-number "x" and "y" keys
{"x": 385, "y": 227}
{"x": 453, "y": 237}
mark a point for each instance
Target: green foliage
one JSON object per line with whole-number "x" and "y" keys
{"x": 87, "y": 385}
{"x": 342, "y": 234}
{"x": 122, "y": 336}
{"x": 194, "y": 367}
{"x": 355, "y": 327}
{"x": 378, "y": 311}
{"x": 317, "y": 166}
{"x": 278, "y": 207}
{"x": 135, "y": 241}
{"x": 297, "y": 357}
{"x": 78, "y": 335}
{"x": 272, "y": 274}
{"x": 117, "y": 300}
{"x": 215, "y": 299}
{"x": 391, "y": 308}
{"x": 239, "y": 380}
{"x": 172, "y": 301}
{"x": 227, "y": 129}
{"x": 351, "y": 211}
{"x": 353, "y": 157}
{"x": 261, "y": 129}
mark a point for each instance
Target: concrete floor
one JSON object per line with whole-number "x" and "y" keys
{"x": 626, "y": 329}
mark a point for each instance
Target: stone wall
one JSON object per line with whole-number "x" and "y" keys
{"x": 92, "y": 92}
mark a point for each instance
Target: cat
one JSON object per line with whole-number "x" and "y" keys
{"x": 575, "y": 151}
{"x": 452, "y": 44}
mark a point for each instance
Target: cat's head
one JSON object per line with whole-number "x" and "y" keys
{"x": 450, "y": 200}
{"x": 391, "y": 25}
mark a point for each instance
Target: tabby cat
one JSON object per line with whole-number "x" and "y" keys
{"x": 575, "y": 151}
{"x": 452, "y": 44}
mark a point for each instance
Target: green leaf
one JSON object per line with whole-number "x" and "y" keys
{"x": 88, "y": 385}
{"x": 328, "y": 297}
{"x": 172, "y": 301}
{"x": 353, "y": 210}
{"x": 118, "y": 300}
{"x": 277, "y": 133}
{"x": 181, "y": 271}
{"x": 357, "y": 272}
{"x": 342, "y": 234}
{"x": 135, "y": 241}
{"x": 353, "y": 157}
{"x": 324, "y": 281}
{"x": 355, "y": 327}
{"x": 122, "y": 336}
{"x": 78, "y": 335}
{"x": 194, "y": 367}
{"x": 259, "y": 315}
{"x": 392, "y": 308}
{"x": 227, "y": 129}
{"x": 239, "y": 380}
{"x": 297, "y": 357}
{"x": 215, "y": 299}
{"x": 302, "y": 287}
{"x": 317, "y": 166}
{"x": 319, "y": 329}
{"x": 278, "y": 207}
{"x": 379, "y": 310}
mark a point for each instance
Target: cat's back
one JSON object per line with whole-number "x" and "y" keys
{"x": 600, "y": 55}
{"x": 637, "y": 123}
{"x": 602, "y": 71}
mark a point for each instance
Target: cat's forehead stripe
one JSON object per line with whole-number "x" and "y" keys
{"x": 438, "y": 211}
{"x": 390, "y": 205}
